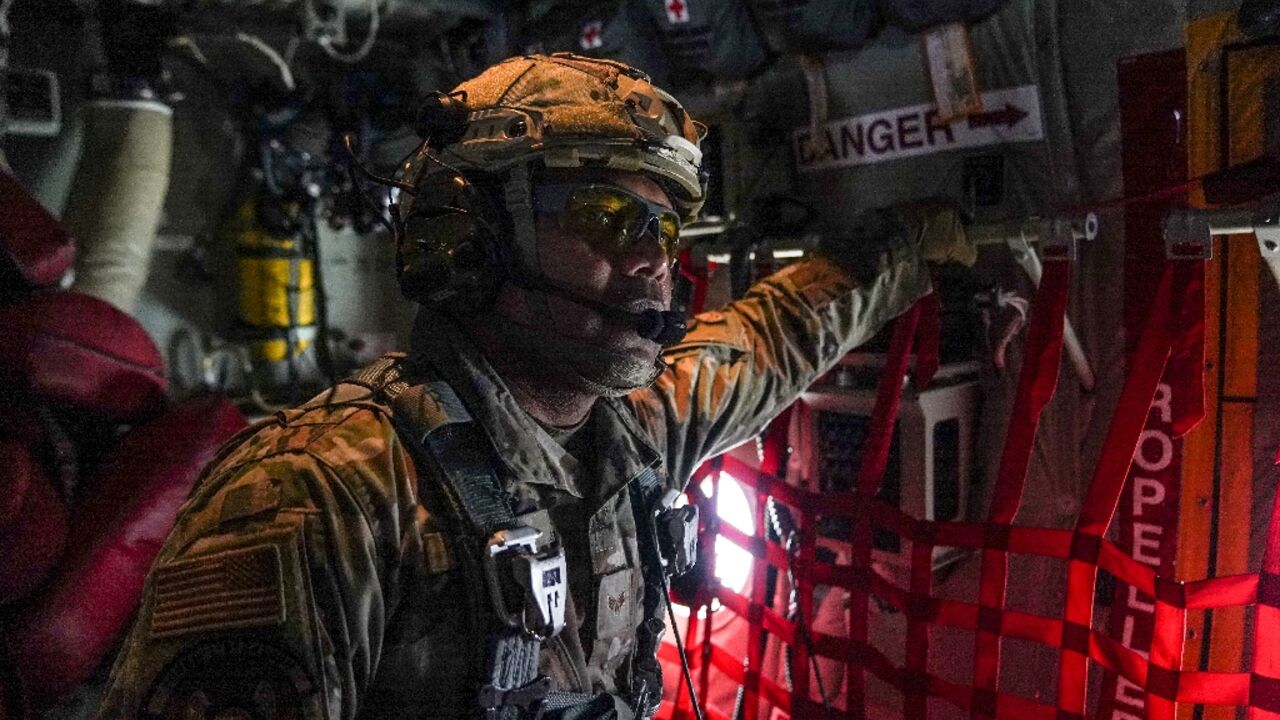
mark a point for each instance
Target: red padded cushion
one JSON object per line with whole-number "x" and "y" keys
{"x": 35, "y": 250}
{"x": 33, "y": 542}
{"x": 119, "y": 529}
{"x": 74, "y": 349}
{"x": 19, "y": 467}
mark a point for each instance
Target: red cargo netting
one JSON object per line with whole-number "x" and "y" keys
{"x": 1084, "y": 550}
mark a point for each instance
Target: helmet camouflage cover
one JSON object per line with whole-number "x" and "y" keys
{"x": 571, "y": 111}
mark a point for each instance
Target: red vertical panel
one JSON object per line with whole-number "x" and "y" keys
{"x": 1153, "y": 102}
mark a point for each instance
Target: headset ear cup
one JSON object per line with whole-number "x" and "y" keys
{"x": 447, "y": 259}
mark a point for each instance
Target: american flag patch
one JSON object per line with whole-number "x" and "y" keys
{"x": 227, "y": 590}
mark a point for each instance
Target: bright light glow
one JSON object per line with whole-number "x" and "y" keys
{"x": 733, "y": 564}
{"x": 785, "y": 254}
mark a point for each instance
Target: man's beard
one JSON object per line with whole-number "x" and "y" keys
{"x": 576, "y": 364}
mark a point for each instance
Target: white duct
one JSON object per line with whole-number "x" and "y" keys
{"x": 113, "y": 208}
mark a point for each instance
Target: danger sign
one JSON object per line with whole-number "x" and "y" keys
{"x": 1011, "y": 115}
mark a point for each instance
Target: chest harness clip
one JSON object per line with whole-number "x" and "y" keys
{"x": 527, "y": 587}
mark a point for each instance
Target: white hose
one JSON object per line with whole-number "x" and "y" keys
{"x": 4, "y": 17}
{"x": 326, "y": 43}
{"x": 286, "y": 75}
{"x": 116, "y": 197}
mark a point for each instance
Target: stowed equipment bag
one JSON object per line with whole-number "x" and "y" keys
{"x": 816, "y": 26}
{"x": 915, "y": 15}
{"x": 707, "y": 39}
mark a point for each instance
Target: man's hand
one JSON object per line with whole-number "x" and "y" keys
{"x": 870, "y": 243}
{"x": 938, "y": 233}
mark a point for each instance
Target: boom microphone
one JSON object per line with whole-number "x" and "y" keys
{"x": 665, "y": 327}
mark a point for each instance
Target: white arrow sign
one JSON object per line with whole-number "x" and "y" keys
{"x": 1011, "y": 115}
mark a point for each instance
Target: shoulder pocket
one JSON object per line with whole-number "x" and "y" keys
{"x": 711, "y": 330}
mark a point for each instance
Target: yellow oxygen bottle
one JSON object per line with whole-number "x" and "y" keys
{"x": 276, "y": 286}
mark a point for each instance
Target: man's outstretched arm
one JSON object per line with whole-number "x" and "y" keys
{"x": 740, "y": 366}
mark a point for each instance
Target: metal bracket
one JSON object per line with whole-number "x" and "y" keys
{"x": 1266, "y": 225}
{"x": 1189, "y": 232}
{"x": 678, "y": 538}
{"x": 1187, "y": 235}
{"x": 1061, "y": 236}
{"x": 531, "y": 698}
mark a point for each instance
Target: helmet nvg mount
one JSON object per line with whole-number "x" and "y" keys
{"x": 465, "y": 218}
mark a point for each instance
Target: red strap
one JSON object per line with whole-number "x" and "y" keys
{"x": 875, "y": 455}
{"x": 1186, "y": 360}
{"x": 1036, "y": 383}
{"x": 1145, "y": 368}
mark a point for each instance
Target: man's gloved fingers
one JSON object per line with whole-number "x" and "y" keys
{"x": 932, "y": 228}
{"x": 940, "y": 233}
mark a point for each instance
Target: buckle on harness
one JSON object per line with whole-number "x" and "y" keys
{"x": 534, "y": 603}
{"x": 677, "y": 534}
{"x": 529, "y": 698}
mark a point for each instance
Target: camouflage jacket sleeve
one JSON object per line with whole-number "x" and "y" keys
{"x": 740, "y": 366}
{"x": 271, "y": 593}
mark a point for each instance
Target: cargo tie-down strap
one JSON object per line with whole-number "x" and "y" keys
{"x": 1158, "y": 675}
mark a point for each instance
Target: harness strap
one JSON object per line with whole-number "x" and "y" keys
{"x": 646, "y": 674}
{"x": 441, "y": 426}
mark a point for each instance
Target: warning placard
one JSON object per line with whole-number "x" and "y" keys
{"x": 1010, "y": 115}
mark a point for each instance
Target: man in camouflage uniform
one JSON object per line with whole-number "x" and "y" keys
{"x": 311, "y": 574}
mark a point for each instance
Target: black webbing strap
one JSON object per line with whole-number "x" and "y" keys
{"x": 646, "y": 690}
{"x": 646, "y": 674}
{"x": 440, "y": 424}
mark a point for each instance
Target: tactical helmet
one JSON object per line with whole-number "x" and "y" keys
{"x": 468, "y": 221}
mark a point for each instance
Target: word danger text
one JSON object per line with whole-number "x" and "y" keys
{"x": 1011, "y": 115}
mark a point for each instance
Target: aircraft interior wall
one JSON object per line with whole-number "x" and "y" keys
{"x": 1098, "y": 120}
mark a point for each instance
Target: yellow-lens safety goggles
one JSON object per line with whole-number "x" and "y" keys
{"x": 610, "y": 219}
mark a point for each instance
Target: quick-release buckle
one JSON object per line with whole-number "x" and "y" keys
{"x": 530, "y": 698}
{"x": 527, "y": 587}
{"x": 677, "y": 534}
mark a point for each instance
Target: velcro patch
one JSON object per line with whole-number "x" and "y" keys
{"x": 228, "y": 590}
{"x": 250, "y": 499}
